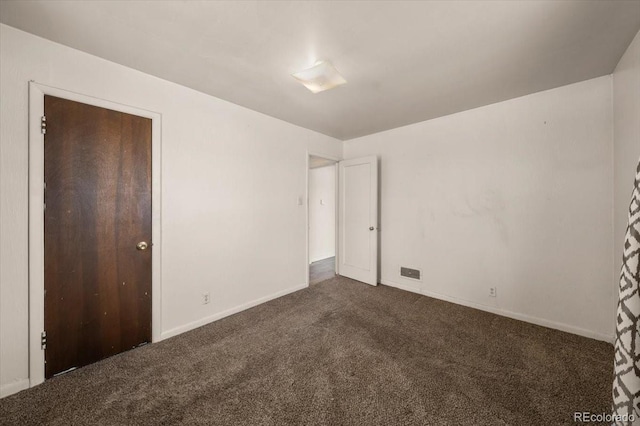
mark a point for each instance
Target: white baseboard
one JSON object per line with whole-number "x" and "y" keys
{"x": 325, "y": 257}
{"x": 17, "y": 386}
{"x": 211, "y": 318}
{"x": 505, "y": 313}
{"x": 401, "y": 286}
{"x": 13, "y": 387}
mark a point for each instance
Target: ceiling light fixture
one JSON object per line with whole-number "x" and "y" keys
{"x": 320, "y": 77}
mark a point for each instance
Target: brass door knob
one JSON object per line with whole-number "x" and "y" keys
{"x": 142, "y": 245}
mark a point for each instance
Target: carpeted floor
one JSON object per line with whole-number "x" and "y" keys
{"x": 337, "y": 353}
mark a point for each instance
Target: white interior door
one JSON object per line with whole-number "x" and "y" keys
{"x": 358, "y": 219}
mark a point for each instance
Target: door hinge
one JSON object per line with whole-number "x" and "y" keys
{"x": 43, "y": 340}
{"x": 43, "y": 124}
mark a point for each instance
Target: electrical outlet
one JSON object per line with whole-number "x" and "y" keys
{"x": 206, "y": 298}
{"x": 493, "y": 292}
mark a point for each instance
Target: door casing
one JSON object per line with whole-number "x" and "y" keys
{"x": 37, "y": 91}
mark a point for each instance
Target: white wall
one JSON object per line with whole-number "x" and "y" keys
{"x": 322, "y": 213}
{"x": 231, "y": 178}
{"x": 626, "y": 130}
{"x": 515, "y": 195}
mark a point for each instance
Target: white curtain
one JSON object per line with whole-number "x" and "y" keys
{"x": 626, "y": 383}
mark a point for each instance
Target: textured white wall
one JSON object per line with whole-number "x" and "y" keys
{"x": 231, "y": 178}
{"x": 322, "y": 213}
{"x": 515, "y": 195}
{"x": 626, "y": 130}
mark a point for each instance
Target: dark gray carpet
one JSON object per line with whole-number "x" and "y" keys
{"x": 338, "y": 353}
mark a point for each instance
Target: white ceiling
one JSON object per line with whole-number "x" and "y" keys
{"x": 317, "y": 162}
{"x": 404, "y": 61}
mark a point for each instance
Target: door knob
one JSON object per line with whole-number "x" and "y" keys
{"x": 142, "y": 245}
{"x": 371, "y": 228}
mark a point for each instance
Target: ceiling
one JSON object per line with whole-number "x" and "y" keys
{"x": 404, "y": 61}
{"x": 317, "y": 162}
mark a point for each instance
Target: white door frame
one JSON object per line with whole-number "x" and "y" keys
{"x": 337, "y": 161}
{"x": 37, "y": 92}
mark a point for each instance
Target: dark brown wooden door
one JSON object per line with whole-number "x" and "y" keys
{"x": 97, "y": 209}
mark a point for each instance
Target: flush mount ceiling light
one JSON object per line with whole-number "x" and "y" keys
{"x": 320, "y": 77}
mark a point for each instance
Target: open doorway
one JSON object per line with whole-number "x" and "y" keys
{"x": 322, "y": 218}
